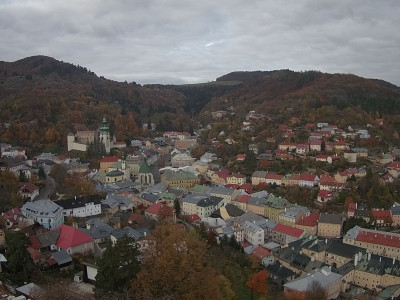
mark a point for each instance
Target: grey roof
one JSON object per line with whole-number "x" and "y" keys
{"x": 379, "y": 265}
{"x": 48, "y": 238}
{"x": 330, "y": 219}
{"x": 222, "y": 190}
{"x": 247, "y": 216}
{"x": 26, "y": 289}
{"x": 61, "y": 257}
{"x": 257, "y": 201}
{"x": 352, "y": 233}
{"x": 110, "y": 202}
{"x": 259, "y": 174}
{"x": 94, "y": 221}
{"x": 345, "y": 250}
{"x": 395, "y": 210}
{"x": 194, "y": 198}
{"x": 98, "y": 231}
{"x": 324, "y": 276}
{"x": 260, "y": 194}
{"x": 156, "y": 189}
{"x": 249, "y": 249}
{"x": 210, "y": 201}
{"x": 251, "y": 226}
{"x": 44, "y": 208}
{"x": 150, "y": 197}
{"x": 264, "y": 223}
{"x": 126, "y": 231}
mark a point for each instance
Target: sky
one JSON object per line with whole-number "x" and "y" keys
{"x": 191, "y": 41}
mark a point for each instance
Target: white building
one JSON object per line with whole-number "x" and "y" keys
{"x": 81, "y": 206}
{"x": 45, "y": 212}
{"x": 253, "y": 233}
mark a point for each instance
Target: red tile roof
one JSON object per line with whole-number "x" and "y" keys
{"x": 288, "y": 230}
{"x": 29, "y": 186}
{"x": 159, "y": 209}
{"x": 260, "y": 252}
{"x": 325, "y": 194}
{"x": 194, "y": 217}
{"x": 222, "y": 174}
{"x": 308, "y": 177}
{"x": 10, "y": 214}
{"x": 381, "y": 214}
{"x": 70, "y": 236}
{"x": 35, "y": 254}
{"x": 378, "y": 238}
{"x": 244, "y": 198}
{"x": 109, "y": 159}
{"x": 237, "y": 175}
{"x": 35, "y": 244}
{"x": 232, "y": 186}
{"x": 395, "y": 165}
{"x": 311, "y": 220}
{"x": 274, "y": 176}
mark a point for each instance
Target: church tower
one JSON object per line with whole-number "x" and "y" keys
{"x": 105, "y": 136}
{"x": 146, "y": 178}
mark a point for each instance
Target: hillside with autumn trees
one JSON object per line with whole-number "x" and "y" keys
{"x": 42, "y": 99}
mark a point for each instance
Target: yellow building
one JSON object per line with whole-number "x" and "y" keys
{"x": 274, "y": 206}
{"x": 330, "y": 225}
{"x": 180, "y": 179}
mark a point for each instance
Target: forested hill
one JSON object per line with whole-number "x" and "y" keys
{"x": 43, "y": 99}
{"x": 289, "y": 93}
{"x": 40, "y": 95}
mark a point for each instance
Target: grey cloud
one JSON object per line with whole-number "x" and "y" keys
{"x": 175, "y": 41}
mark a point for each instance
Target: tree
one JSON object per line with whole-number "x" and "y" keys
{"x": 177, "y": 207}
{"x": 175, "y": 267}
{"x": 18, "y": 257}
{"x": 258, "y": 282}
{"x": 315, "y": 291}
{"x": 117, "y": 267}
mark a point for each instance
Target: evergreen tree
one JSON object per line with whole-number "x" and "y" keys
{"x": 18, "y": 257}
{"x": 117, "y": 267}
{"x": 177, "y": 207}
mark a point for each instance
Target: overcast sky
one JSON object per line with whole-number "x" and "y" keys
{"x": 177, "y": 41}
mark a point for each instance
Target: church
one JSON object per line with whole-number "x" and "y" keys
{"x": 81, "y": 140}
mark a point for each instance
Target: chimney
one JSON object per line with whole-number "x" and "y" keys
{"x": 326, "y": 241}
{"x": 394, "y": 260}
{"x": 380, "y": 258}
{"x": 356, "y": 260}
{"x": 369, "y": 256}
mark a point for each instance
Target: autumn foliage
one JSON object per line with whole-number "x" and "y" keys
{"x": 258, "y": 282}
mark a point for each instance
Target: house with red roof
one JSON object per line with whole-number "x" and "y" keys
{"x": 263, "y": 256}
{"x": 382, "y": 217}
{"x": 308, "y": 180}
{"x": 273, "y": 179}
{"x": 236, "y": 178}
{"x": 159, "y": 211}
{"x": 242, "y": 202}
{"x": 323, "y": 158}
{"x": 248, "y": 188}
{"x": 240, "y": 157}
{"x": 302, "y": 149}
{"x": 351, "y": 209}
{"x": 107, "y": 162}
{"x": 28, "y": 190}
{"x": 309, "y": 223}
{"x": 73, "y": 241}
{"x": 285, "y": 234}
{"x": 324, "y": 196}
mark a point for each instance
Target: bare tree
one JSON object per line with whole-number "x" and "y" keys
{"x": 315, "y": 291}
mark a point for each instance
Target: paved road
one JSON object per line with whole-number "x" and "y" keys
{"x": 49, "y": 189}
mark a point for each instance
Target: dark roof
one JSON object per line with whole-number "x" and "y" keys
{"x": 233, "y": 210}
{"x": 61, "y": 257}
{"x": 48, "y": 238}
{"x": 210, "y": 201}
{"x": 279, "y": 271}
{"x": 144, "y": 168}
{"x": 330, "y": 218}
{"x": 150, "y": 197}
{"x": 79, "y": 201}
{"x": 345, "y": 250}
